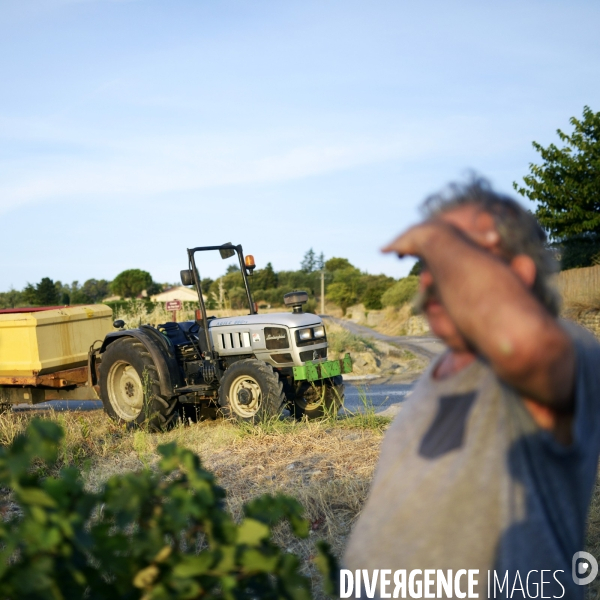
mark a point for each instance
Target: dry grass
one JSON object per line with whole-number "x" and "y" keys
{"x": 137, "y": 313}
{"x": 340, "y": 341}
{"x": 327, "y": 465}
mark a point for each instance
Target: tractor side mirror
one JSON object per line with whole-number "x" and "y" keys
{"x": 226, "y": 252}
{"x": 187, "y": 277}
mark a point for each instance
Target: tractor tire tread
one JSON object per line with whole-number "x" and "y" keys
{"x": 273, "y": 395}
{"x": 159, "y": 413}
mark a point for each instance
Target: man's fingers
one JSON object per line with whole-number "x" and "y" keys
{"x": 406, "y": 243}
{"x": 398, "y": 246}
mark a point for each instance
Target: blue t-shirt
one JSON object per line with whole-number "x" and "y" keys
{"x": 467, "y": 480}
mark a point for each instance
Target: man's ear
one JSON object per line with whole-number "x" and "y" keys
{"x": 525, "y": 269}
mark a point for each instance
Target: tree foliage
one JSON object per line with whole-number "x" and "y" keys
{"x": 401, "y": 292}
{"x": 131, "y": 283}
{"x": 376, "y": 286}
{"x": 11, "y": 299}
{"x": 44, "y": 293}
{"x": 265, "y": 279}
{"x": 566, "y": 188}
{"x": 91, "y": 292}
{"x": 268, "y": 286}
{"x": 152, "y": 535}
{"x": 309, "y": 262}
{"x": 335, "y": 264}
{"x": 341, "y": 294}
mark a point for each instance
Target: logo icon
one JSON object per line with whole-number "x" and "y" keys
{"x": 585, "y": 568}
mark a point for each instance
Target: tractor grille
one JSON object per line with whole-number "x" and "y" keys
{"x": 313, "y": 354}
{"x": 238, "y": 339}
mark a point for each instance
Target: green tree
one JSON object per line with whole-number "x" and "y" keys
{"x": 205, "y": 284}
{"x": 309, "y": 262}
{"x": 264, "y": 279}
{"x": 63, "y": 292}
{"x": 566, "y": 188}
{"x": 401, "y": 292}
{"x": 11, "y": 299}
{"x": 417, "y": 268}
{"x": 29, "y": 295}
{"x": 46, "y": 293}
{"x": 341, "y": 294}
{"x": 320, "y": 265}
{"x": 94, "y": 291}
{"x": 131, "y": 283}
{"x": 233, "y": 278}
{"x": 353, "y": 279}
{"x": 237, "y": 298}
{"x": 374, "y": 288}
{"x": 335, "y": 264}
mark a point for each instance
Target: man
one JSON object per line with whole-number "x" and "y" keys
{"x": 491, "y": 463}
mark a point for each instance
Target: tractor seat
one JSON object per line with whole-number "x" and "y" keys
{"x": 175, "y": 333}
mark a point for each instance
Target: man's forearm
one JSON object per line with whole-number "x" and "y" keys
{"x": 498, "y": 315}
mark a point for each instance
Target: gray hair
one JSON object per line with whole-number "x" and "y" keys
{"x": 519, "y": 230}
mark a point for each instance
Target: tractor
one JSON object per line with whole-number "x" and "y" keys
{"x": 248, "y": 368}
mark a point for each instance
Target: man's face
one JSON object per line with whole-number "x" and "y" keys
{"x": 474, "y": 222}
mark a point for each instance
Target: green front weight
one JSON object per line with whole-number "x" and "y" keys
{"x": 324, "y": 370}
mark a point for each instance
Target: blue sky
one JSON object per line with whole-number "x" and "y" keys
{"x": 131, "y": 130}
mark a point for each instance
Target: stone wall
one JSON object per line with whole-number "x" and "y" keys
{"x": 590, "y": 319}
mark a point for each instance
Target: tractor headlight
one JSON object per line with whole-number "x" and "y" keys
{"x": 319, "y": 332}
{"x": 305, "y": 334}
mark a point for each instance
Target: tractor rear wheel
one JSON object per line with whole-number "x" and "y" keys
{"x": 129, "y": 387}
{"x": 251, "y": 391}
{"x": 320, "y": 399}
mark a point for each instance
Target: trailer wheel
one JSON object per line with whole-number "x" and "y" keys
{"x": 318, "y": 400}
{"x": 129, "y": 387}
{"x": 251, "y": 391}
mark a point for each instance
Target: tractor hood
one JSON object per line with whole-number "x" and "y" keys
{"x": 287, "y": 319}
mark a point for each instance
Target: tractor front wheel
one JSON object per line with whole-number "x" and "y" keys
{"x": 319, "y": 399}
{"x": 251, "y": 391}
{"x": 129, "y": 387}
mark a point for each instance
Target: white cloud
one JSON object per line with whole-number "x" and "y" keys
{"x": 82, "y": 163}
{"x": 175, "y": 164}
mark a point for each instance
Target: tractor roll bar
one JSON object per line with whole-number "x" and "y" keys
{"x": 192, "y": 263}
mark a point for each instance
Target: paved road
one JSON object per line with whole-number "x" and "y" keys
{"x": 385, "y": 394}
{"x": 381, "y": 396}
{"x": 359, "y": 393}
{"x": 428, "y": 347}
{"x": 60, "y": 405}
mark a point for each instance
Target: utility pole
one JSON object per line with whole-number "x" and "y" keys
{"x": 322, "y": 291}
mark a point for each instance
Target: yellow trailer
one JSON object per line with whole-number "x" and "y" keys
{"x": 45, "y": 352}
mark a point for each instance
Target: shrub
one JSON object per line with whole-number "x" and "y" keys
{"x": 375, "y": 287}
{"x": 342, "y": 295}
{"x": 401, "y": 292}
{"x": 150, "y": 535}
